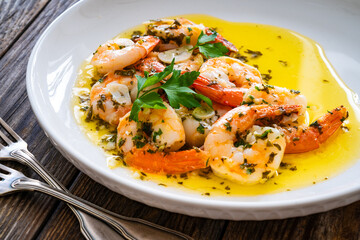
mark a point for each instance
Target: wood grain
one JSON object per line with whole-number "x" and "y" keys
{"x": 88, "y": 189}
{"x": 23, "y": 215}
{"x": 341, "y": 223}
{"x": 15, "y": 17}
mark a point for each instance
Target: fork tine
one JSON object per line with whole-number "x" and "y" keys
{"x": 7, "y": 169}
{"x": 5, "y": 138}
{"x": 10, "y": 130}
{"x": 3, "y": 175}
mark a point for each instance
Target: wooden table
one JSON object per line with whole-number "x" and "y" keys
{"x": 36, "y": 216}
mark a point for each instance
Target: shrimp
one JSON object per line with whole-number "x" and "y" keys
{"x": 307, "y": 138}
{"x": 110, "y": 97}
{"x": 150, "y": 144}
{"x": 230, "y": 82}
{"x": 230, "y": 72}
{"x": 119, "y": 53}
{"x": 273, "y": 95}
{"x": 247, "y": 147}
{"x": 232, "y": 97}
{"x": 242, "y": 151}
{"x": 225, "y": 80}
{"x": 152, "y": 64}
{"x": 181, "y": 31}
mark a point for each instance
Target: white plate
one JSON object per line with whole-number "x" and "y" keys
{"x": 79, "y": 30}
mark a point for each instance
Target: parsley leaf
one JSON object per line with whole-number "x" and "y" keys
{"x": 210, "y": 50}
{"x": 178, "y": 91}
{"x": 204, "y": 38}
{"x": 150, "y": 100}
{"x": 176, "y": 88}
{"x": 203, "y": 98}
{"x": 146, "y": 81}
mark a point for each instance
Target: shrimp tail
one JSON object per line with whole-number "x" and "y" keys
{"x": 330, "y": 122}
{"x": 152, "y": 161}
{"x": 304, "y": 139}
{"x": 266, "y": 115}
{"x": 227, "y": 96}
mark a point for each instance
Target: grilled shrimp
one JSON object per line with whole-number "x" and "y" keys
{"x": 111, "y": 97}
{"x": 230, "y": 72}
{"x": 230, "y": 82}
{"x": 119, "y": 53}
{"x": 303, "y": 138}
{"x": 243, "y": 151}
{"x": 225, "y": 80}
{"x": 247, "y": 147}
{"x": 181, "y": 31}
{"x": 151, "y": 144}
{"x": 267, "y": 94}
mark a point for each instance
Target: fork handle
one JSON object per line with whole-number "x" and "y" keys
{"x": 91, "y": 228}
{"x": 131, "y": 229}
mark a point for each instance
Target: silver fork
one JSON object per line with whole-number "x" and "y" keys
{"x": 92, "y": 228}
{"x": 12, "y": 180}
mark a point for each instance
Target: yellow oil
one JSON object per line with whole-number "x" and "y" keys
{"x": 292, "y": 61}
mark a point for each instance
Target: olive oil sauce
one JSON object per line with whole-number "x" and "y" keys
{"x": 286, "y": 59}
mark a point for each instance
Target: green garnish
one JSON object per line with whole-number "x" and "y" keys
{"x": 121, "y": 142}
{"x": 263, "y": 135}
{"x": 200, "y": 129}
{"x": 228, "y": 126}
{"x": 210, "y": 50}
{"x": 176, "y": 88}
{"x": 158, "y": 133}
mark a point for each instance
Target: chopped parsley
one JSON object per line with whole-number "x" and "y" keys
{"x": 200, "y": 128}
{"x": 249, "y": 167}
{"x": 208, "y": 49}
{"x": 294, "y": 91}
{"x": 158, "y": 133}
{"x": 263, "y": 135}
{"x": 228, "y": 126}
{"x": 253, "y": 54}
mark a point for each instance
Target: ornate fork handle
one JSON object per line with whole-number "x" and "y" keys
{"x": 93, "y": 228}
{"x": 131, "y": 229}
{"x": 27, "y": 158}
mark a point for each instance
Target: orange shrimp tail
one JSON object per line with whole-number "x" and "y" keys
{"x": 330, "y": 122}
{"x": 301, "y": 140}
{"x": 231, "y": 47}
{"x": 167, "y": 163}
{"x": 232, "y": 97}
{"x": 309, "y": 138}
{"x": 268, "y": 114}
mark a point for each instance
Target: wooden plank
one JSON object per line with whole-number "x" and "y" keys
{"x": 341, "y": 223}
{"x": 63, "y": 225}
{"x": 15, "y": 17}
{"x": 23, "y": 215}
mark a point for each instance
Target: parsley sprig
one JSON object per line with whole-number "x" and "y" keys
{"x": 176, "y": 88}
{"x": 210, "y": 50}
